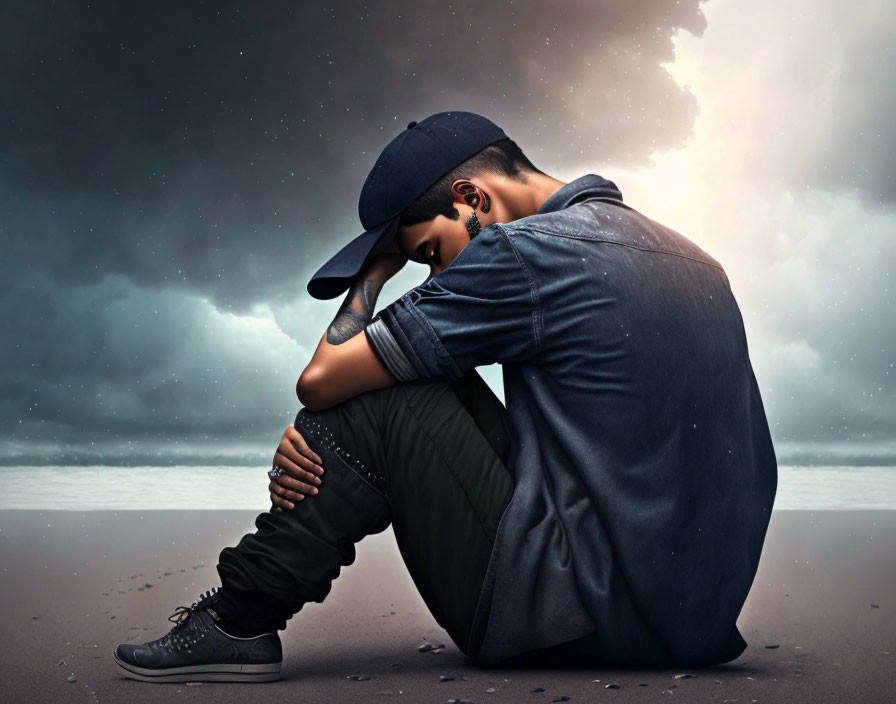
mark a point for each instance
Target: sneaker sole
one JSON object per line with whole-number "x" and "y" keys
{"x": 267, "y": 672}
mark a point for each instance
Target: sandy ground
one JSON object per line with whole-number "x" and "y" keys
{"x": 820, "y": 620}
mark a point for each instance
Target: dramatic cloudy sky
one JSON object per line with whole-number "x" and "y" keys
{"x": 171, "y": 175}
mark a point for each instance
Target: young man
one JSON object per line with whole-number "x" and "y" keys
{"x": 615, "y": 512}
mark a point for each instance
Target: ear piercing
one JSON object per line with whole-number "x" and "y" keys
{"x": 473, "y": 225}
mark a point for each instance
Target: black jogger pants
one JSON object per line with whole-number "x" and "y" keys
{"x": 430, "y": 458}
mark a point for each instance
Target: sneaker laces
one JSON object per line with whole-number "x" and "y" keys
{"x": 187, "y": 630}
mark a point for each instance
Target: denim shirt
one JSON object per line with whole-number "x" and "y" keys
{"x": 644, "y": 469}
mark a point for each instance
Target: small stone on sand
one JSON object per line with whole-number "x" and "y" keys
{"x": 772, "y": 647}
{"x": 538, "y": 689}
{"x": 446, "y": 678}
{"x": 612, "y": 685}
{"x": 683, "y": 676}
{"x": 71, "y": 678}
{"x": 357, "y": 678}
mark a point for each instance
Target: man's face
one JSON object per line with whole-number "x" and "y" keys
{"x": 435, "y": 242}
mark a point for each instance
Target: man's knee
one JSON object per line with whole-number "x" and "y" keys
{"x": 371, "y": 415}
{"x": 363, "y": 428}
{"x": 362, "y": 410}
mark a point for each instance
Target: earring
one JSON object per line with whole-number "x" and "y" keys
{"x": 473, "y": 225}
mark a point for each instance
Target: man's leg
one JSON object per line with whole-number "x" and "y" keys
{"x": 427, "y": 456}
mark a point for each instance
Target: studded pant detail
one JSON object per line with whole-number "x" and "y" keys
{"x": 317, "y": 433}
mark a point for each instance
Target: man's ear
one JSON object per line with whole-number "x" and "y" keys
{"x": 466, "y": 192}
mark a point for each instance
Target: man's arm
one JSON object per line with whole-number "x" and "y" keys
{"x": 344, "y": 365}
{"x": 481, "y": 309}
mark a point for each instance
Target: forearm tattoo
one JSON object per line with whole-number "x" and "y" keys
{"x": 355, "y": 313}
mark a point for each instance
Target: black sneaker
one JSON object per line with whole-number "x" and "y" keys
{"x": 197, "y": 650}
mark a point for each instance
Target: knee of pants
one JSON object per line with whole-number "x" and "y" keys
{"x": 361, "y": 425}
{"x": 376, "y": 428}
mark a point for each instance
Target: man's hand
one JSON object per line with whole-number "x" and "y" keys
{"x": 302, "y": 470}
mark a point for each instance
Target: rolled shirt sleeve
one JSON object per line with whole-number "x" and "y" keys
{"x": 389, "y": 352}
{"x": 482, "y": 309}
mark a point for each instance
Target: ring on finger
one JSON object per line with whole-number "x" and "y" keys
{"x": 275, "y": 472}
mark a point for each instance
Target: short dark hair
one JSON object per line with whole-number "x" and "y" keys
{"x": 504, "y": 158}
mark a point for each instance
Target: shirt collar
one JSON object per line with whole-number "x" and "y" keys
{"x": 582, "y": 188}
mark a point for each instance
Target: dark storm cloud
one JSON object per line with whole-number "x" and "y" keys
{"x": 221, "y": 147}
{"x": 165, "y": 164}
{"x": 116, "y": 374}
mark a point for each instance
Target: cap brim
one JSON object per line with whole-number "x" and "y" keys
{"x": 337, "y": 274}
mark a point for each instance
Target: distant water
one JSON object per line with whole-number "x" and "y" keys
{"x": 146, "y": 488}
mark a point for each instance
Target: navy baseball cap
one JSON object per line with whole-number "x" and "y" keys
{"x": 412, "y": 162}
